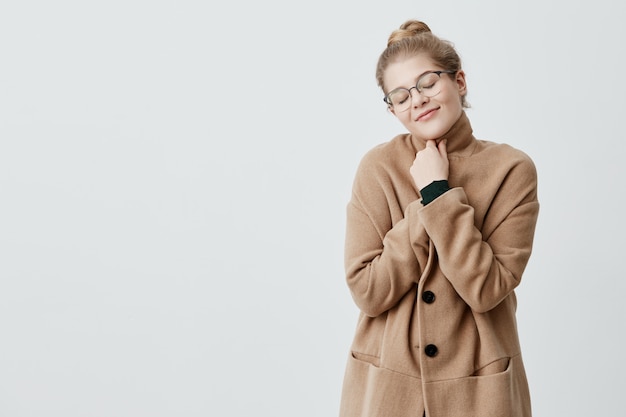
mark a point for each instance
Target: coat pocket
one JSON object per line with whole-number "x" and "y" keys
{"x": 494, "y": 394}
{"x": 372, "y": 391}
{"x": 495, "y": 367}
{"x": 364, "y": 357}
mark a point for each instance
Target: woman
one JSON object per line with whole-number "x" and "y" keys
{"x": 440, "y": 228}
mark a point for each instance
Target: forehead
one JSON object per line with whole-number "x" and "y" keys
{"x": 406, "y": 71}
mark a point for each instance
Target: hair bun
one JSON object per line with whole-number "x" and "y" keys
{"x": 408, "y": 29}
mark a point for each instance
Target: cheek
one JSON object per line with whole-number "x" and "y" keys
{"x": 404, "y": 117}
{"x": 452, "y": 100}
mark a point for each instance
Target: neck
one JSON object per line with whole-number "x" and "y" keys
{"x": 459, "y": 137}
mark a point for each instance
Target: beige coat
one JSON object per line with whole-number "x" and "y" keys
{"x": 435, "y": 284}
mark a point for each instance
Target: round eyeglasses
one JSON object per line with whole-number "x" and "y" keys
{"x": 427, "y": 85}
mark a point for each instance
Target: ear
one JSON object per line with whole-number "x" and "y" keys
{"x": 460, "y": 82}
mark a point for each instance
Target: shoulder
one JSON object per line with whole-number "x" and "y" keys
{"x": 383, "y": 167}
{"x": 507, "y": 156}
{"x": 385, "y": 155}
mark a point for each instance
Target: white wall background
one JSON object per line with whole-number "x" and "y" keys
{"x": 173, "y": 181}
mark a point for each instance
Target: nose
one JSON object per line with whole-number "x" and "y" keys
{"x": 418, "y": 98}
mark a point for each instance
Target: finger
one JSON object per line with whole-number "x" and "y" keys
{"x": 443, "y": 147}
{"x": 431, "y": 143}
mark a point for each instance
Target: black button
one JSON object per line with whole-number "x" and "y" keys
{"x": 431, "y": 350}
{"x": 428, "y": 297}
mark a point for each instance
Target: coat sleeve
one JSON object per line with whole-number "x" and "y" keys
{"x": 484, "y": 266}
{"x": 383, "y": 259}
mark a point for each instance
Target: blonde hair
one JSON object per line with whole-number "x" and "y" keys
{"x": 413, "y": 38}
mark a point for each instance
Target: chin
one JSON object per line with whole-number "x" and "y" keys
{"x": 429, "y": 134}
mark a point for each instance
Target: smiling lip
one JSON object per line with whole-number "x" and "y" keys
{"x": 425, "y": 114}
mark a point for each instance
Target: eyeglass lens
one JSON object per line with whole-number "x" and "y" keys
{"x": 427, "y": 85}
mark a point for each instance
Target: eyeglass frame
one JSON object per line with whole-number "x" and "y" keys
{"x": 438, "y": 72}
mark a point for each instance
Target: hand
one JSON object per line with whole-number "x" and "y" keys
{"x": 430, "y": 164}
